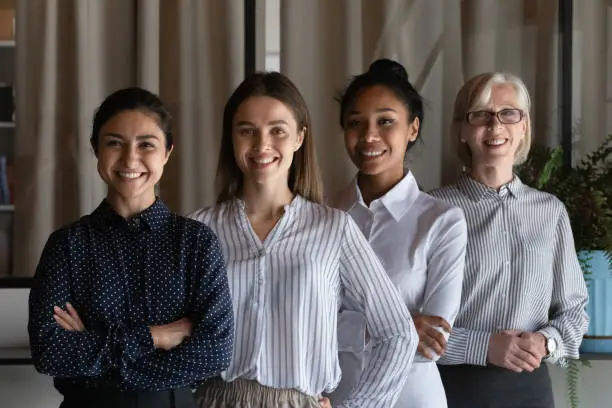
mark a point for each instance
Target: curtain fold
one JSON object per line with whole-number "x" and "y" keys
{"x": 202, "y": 62}
{"x": 440, "y": 43}
{"x": 73, "y": 53}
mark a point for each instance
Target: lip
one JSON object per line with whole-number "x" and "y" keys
{"x": 372, "y": 154}
{"x": 263, "y": 162}
{"x": 130, "y": 175}
{"x": 505, "y": 141}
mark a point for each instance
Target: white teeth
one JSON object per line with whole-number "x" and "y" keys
{"x": 372, "y": 154}
{"x": 129, "y": 175}
{"x": 264, "y": 161}
{"x": 495, "y": 142}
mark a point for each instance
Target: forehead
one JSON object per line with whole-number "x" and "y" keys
{"x": 263, "y": 109}
{"x": 377, "y": 97}
{"x": 132, "y": 123}
{"x": 500, "y": 95}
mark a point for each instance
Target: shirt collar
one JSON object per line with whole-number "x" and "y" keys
{"x": 155, "y": 217}
{"x": 477, "y": 191}
{"x": 397, "y": 201}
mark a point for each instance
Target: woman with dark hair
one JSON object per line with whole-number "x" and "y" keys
{"x": 131, "y": 305}
{"x": 291, "y": 263}
{"x": 420, "y": 240}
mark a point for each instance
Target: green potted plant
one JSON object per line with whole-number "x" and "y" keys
{"x": 586, "y": 191}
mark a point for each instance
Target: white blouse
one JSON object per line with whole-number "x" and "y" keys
{"x": 287, "y": 292}
{"x": 421, "y": 242}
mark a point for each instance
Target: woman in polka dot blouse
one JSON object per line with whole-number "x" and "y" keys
{"x": 292, "y": 262}
{"x": 131, "y": 304}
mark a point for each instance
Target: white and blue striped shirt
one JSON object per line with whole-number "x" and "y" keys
{"x": 521, "y": 270}
{"x": 287, "y": 292}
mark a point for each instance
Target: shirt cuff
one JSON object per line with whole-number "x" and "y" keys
{"x": 477, "y": 348}
{"x": 138, "y": 342}
{"x": 351, "y": 331}
{"x": 553, "y": 333}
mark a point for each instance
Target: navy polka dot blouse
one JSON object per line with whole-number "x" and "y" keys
{"x": 122, "y": 277}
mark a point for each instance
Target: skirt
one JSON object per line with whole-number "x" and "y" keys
{"x": 216, "y": 393}
{"x": 470, "y": 386}
{"x": 177, "y": 398}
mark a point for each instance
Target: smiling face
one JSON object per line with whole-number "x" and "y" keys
{"x": 377, "y": 131}
{"x": 265, "y": 137}
{"x": 131, "y": 156}
{"x": 494, "y": 131}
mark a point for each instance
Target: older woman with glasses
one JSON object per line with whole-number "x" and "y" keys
{"x": 523, "y": 293}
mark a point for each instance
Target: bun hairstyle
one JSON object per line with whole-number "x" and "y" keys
{"x": 388, "y": 73}
{"x": 388, "y": 67}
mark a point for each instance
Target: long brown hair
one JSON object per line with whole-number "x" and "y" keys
{"x": 304, "y": 175}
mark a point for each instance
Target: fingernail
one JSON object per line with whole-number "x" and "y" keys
{"x": 56, "y": 308}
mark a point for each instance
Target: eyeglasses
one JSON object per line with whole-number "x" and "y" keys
{"x": 505, "y": 116}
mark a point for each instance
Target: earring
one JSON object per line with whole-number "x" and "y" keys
{"x": 462, "y": 140}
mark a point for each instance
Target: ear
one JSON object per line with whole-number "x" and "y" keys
{"x": 168, "y": 153}
{"x": 300, "y": 139}
{"x": 413, "y": 131}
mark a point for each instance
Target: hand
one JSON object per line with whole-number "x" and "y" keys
{"x": 325, "y": 402}
{"x": 429, "y": 337}
{"x": 68, "y": 319}
{"x": 536, "y": 343}
{"x": 168, "y": 336}
{"x": 513, "y": 352}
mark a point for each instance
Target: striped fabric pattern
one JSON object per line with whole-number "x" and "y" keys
{"x": 521, "y": 271}
{"x": 288, "y": 290}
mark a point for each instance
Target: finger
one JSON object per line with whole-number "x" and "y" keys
{"x": 439, "y": 321}
{"x": 75, "y": 316}
{"x": 424, "y": 351}
{"x": 530, "y": 347}
{"x": 527, "y": 357}
{"x": 435, "y": 339}
{"x": 511, "y": 332}
{"x": 433, "y": 344}
{"x": 521, "y": 363}
{"x": 65, "y": 316}
{"x": 512, "y": 366}
{"x": 63, "y": 324}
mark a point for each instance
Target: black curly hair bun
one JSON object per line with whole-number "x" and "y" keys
{"x": 386, "y": 66}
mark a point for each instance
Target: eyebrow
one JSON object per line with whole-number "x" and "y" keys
{"x": 271, "y": 123}
{"x": 139, "y": 137}
{"x": 381, "y": 110}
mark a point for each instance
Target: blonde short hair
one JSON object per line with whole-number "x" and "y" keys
{"x": 476, "y": 94}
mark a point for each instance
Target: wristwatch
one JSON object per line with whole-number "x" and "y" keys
{"x": 551, "y": 345}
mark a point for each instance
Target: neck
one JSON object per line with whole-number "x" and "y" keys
{"x": 266, "y": 201}
{"x": 492, "y": 176}
{"x": 375, "y": 186}
{"x": 129, "y": 207}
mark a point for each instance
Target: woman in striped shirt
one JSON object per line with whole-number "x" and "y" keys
{"x": 291, "y": 262}
{"x": 420, "y": 240}
{"x": 523, "y": 294}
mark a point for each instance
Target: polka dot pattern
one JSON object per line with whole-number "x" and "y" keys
{"x": 122, "y": 277}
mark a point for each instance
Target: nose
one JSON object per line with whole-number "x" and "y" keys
{"x": 494, "y": 121}
{"x": 370, "y": 134}
{"x": 129, "y": 155}
{"x": 262, "y": 141}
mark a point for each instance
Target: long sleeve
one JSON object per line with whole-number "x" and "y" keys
{"x": 62, "y": 353}
{"x": 209, "y": 349}
{"x": 392, "y": 333}
{"x": 569, "y": 321}
{"x": 445, "y": 266}
{"x": 466, "y": 346}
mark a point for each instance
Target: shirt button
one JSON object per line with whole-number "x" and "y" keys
{"x": 507, "y": 263}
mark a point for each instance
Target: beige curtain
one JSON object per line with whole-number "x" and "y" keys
{"x": 202, "y": 62}
{"x": 70, "y": 55}
{"x": 440, "y": 42}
